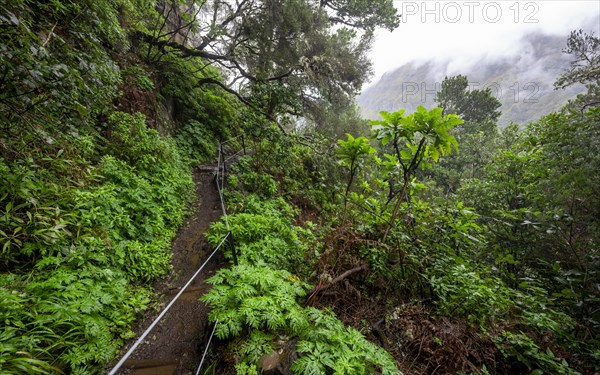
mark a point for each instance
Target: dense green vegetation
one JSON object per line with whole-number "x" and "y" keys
{"x": 497, "y": 283}
{"x": 423, "y": 242}
{"x": 90, "y": 195}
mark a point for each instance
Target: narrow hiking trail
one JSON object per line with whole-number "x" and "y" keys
{"x": 175, "y": 345}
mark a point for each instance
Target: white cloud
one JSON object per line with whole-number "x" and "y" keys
{"x": 464, "y": 32}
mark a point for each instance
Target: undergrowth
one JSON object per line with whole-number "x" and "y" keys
{"x": 258, "y": 303}
{"x": 90, "y": 196}
{"x": 419, "y": 257}
{"x": 78, "y": 256}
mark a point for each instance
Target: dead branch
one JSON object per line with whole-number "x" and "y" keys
{"x": 321, "y": 287}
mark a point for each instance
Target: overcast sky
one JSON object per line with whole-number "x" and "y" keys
{"x": 466, "y": 31}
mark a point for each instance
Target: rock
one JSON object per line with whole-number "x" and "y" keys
{"x": 270, "y": 362}
{"x": 279, "y": 362}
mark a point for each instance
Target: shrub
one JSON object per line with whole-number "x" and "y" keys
{"x": 263, "y": 302}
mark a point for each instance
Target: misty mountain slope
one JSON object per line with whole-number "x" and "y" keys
{"x": 523, "y": 83}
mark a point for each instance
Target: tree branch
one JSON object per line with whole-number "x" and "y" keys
{"x": 187, "y": 52}
{"x": 209, "y": 80}
{"x": 321, "y": 287}
{"x": 214, "y": 81}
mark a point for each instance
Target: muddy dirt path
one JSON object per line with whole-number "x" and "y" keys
{"x": 175, "y": 345}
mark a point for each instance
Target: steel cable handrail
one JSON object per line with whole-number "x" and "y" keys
{"x": 162, "y": 314}
{"x": 220, "y": 180}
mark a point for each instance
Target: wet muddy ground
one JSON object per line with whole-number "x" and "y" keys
{"x": 176, "y": 344}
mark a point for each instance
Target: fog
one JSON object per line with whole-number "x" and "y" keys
{"x": 461, "y": 34}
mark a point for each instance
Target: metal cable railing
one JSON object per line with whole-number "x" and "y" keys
{"x": 220, "y": 181}
{"x": 165, "y": 310}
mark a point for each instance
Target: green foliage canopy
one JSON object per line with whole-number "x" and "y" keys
{"x": 471, "y": 105}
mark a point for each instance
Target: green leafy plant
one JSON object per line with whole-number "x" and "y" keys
{"x": 526, "y": 351}
{"x": 85, "y": 243}
{"x": 330, "y": 348}
{"x": 351, "y": 153}
{"x": 264, "y": 235}
{"x": 34, "y": 221}
{"x": 255, "y": 297}
{"x": 196, "y": 142}
{"x": 263, "y": 302}
{"x": 462, "y": 291}
{"x": 138, "y": 76}
{"x": 416, "y": 140}
{"x": 72, "y": 319}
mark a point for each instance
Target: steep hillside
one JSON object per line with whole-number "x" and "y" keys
{"x": 97, "y": 142}
{"x": 341, "y": 256}
{"x": 523, "y": 83}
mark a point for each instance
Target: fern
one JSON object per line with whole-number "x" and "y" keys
{"x": 330, "y": 345}
{"x": 263, "y": 300}
{"x": 257, "y": 345}
{"x": 260, "y": 298}
{"x": 307, "y": 365}
{"x": 75, "y": 319}
{"x": 265, "y": 239}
